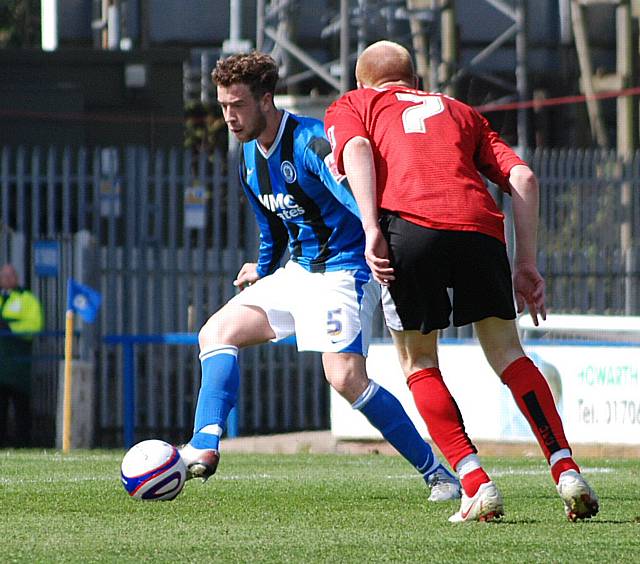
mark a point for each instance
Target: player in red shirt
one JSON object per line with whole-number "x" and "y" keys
{"x": 415, "y": 162}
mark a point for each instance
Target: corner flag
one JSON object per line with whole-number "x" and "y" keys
{"x": 83, "y": 300}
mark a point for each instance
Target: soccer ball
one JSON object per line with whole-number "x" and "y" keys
{"x": 153, "y": 470}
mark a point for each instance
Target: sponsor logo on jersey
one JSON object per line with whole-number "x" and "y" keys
{"x": 288, "y": 171}
{"x": 284, "y": 205}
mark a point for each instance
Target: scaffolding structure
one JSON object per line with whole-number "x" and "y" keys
{"x": 429, "y": 28}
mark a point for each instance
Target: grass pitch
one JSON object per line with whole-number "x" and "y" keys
{"x": 303, "y": 508}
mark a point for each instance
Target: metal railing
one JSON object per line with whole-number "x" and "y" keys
{"x": 162, "y": 234}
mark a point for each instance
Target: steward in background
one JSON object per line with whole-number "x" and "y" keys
{"x": 20, "y": 317}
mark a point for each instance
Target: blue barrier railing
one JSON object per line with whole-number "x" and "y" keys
{"x": 128, "y": 343}
{"x": 9, "y": 333}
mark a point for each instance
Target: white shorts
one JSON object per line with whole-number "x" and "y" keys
{"x": 327, "y": 312}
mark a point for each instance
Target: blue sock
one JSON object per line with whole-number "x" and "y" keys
{"x": 218, "y": 395}
{"x": 385, "y": 413}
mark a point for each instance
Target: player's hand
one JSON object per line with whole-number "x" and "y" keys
{"x": 247, "y": 275}
{"x": 376, "y": 253}
{"x": 528, "y": 286}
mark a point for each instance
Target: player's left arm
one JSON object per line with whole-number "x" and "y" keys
{"x": 494, "y": 157}
{"x": 528, "y": 284}
{"x": 496, "y": 160}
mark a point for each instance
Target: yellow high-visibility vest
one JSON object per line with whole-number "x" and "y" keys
{"x": 22, "y": 311}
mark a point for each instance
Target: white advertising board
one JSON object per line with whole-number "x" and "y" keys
{"x": 597, "y": 391}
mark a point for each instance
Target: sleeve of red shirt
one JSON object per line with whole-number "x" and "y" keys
{"x": 343, "y": 122}
{"x": 494, "y": 157}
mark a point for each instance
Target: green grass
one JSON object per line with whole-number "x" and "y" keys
{"x": 302, "y": 508}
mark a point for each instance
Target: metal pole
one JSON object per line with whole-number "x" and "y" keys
{"x": 345, "y": 70}
{"x": 435, "y": 51}
{"x": 259, "y": 24}
{"x": 626, "y": 141}
{"x": 419, "y": 41}
{"x": 449, "y": 49}
{"x": 578, "y": 18}
{"x": 235, "y": 43}
{"x": 129, "y": 394}
{"x": 113, "y": 26}
{"x": 625, "y": 72}
{"x": 363, "y": 10}
{"x": 49, "y": 25}
{"x": 145, "y": 24}
{"x": 205, "y": 77}
{"x": 522, "y": 78}
{"x": 235, "y": 13}
{"x": 233, "y": 427}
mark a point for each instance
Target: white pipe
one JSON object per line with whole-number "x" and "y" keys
{"x": 49, "y": 24}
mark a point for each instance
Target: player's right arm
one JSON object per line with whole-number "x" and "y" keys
{"x": 273, "y": 235}
{"x": 354, "y": 157}
{"x": 273, "y": 238}
{"x": 361, "y": 172}
{"x": 247, "y": 275}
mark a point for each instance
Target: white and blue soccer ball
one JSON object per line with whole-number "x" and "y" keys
{"x": 153, "y": 470}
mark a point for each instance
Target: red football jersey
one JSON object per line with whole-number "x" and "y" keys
{"x": 430, "y": 151}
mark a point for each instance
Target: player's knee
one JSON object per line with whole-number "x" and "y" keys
{"x": 346, "y": 374}
{"x": 212, "y": 333}
{"x": 500, "y": 359}
{"x": 340, "y": 382}
{"x": 414, "y": 363}
{"x": 349, "y": 386}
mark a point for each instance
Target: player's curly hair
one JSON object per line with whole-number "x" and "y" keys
{"x": 257, "y": 70}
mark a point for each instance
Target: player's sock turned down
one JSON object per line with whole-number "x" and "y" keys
{"x": 441, "y": 414}
{"x": 535, "y": 400}
{"x": 386, "y": 414}
{"x": 218, "y": 395}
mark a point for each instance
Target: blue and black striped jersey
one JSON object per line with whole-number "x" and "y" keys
{"x": 298, "y": 200}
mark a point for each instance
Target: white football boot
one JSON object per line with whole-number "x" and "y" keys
{"x": 486, "y": 505}
{"x": 580, "y": 501}
{"x": 443, "y": 484}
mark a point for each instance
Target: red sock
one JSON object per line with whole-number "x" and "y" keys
{"x": 534, "y": 398}
{"x": 441, "y": 414}
{"x": 472, "y": 481}
{"x": 561, "y": 466}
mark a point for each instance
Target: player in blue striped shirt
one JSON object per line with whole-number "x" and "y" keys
{"x": 324, "y": 294}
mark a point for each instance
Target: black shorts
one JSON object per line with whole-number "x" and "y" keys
{"x": 429, "y": 261}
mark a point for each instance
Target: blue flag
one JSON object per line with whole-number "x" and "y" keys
{"x": 83, "y": 300}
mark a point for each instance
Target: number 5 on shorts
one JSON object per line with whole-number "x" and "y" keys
{"x": 334, "y": 323}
